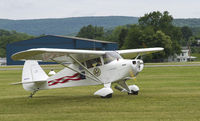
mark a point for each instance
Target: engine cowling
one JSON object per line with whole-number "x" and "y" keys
{"x": 138, "y": 64}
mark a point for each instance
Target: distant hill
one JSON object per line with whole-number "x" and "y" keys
{"x": 70, "y": 26}
{"x": 191, "y": 22}
{"x": 64, "y": 26}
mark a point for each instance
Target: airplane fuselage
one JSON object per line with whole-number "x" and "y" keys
{"x": 119, "y": 69}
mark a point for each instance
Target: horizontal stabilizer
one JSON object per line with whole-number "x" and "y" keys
{"x": 17, "y": 83}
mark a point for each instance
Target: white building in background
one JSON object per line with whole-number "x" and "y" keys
{"x": 198, "y": 42}
{"x": 185, "y": 56}
{"x": 2, "y": 61}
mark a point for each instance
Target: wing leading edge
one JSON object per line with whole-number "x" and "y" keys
{"x": 131, "y": 53}
{"x": 61, "y": 55}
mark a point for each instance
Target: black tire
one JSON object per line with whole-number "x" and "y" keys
{"x": 107, "y": 96}
{"x": 133, "y": 92}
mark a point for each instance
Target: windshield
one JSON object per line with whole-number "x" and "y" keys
{"x": 110, "y": 56}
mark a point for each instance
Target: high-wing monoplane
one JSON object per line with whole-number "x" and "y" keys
{"x": 83, "y": 68}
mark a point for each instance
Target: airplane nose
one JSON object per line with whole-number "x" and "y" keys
{"x": 138, "y": 65}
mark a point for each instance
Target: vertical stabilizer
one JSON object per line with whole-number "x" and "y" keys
{"x": 32, "y": 72}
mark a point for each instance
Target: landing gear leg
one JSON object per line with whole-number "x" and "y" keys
{"x": 105, "y": 92}
{"x": 33, "y": 93}
{"x": 131, "y": 90}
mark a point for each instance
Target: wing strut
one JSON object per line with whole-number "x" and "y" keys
{"x": 137, "y": 56}
{"x": 77, "y": 71}
{"x": 84, "y": 67}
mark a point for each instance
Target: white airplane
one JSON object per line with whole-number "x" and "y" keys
{"x": 82, "y": 68}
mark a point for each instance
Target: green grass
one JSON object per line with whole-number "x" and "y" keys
{"x": 174, "y": 63}
{"x": 166, "y": 93}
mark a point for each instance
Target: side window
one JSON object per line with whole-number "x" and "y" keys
{"x": 98, "y": 62}
{"x": 111, "y": 56}
{"x": 93, "y": 63}
{"x": 89, "y": 63}
{"x": 107, "y": 59}
{"x": 80, "y": 67}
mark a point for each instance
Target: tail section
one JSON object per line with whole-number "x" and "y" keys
{"x": 33, "y": 76}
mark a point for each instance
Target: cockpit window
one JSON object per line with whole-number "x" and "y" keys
{"x": 110, "y": 56}
{"x": 93, "y": 63}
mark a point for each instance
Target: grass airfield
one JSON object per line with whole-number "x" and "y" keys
{"x": 166, "y": 93}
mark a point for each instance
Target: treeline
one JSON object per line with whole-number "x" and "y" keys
{"x": 155, "y": 29}
{"x": 7, "y": 37}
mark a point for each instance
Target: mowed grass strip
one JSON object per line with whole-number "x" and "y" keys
{"x": 166, "y": 93}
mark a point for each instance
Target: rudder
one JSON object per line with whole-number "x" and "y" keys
{"x": 32, "y": 72}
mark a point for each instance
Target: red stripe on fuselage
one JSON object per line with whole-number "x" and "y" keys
{"x": 60, "y": 80}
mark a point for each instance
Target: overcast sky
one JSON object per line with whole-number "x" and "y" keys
{"x": 35, "y": 9}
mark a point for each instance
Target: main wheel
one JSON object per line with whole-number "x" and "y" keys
{"x": 107, "y": 96}
{"x": 133, "y": 92}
